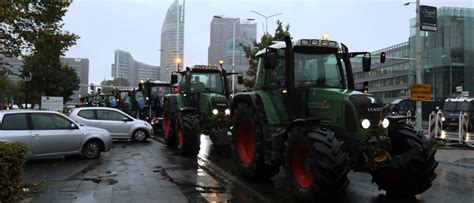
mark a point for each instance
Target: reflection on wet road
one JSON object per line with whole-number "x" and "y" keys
{"x": 454, "y": 183}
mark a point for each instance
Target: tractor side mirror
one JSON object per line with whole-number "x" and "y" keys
{"x": 270, "y": 60}
{"x": 366, "y": 62}
{"x": 240, "y": 79}
{"x": 174, "y": 79}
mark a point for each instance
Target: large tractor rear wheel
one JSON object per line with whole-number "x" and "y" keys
{"x": 188, "y": 134}
{"x": 169, "y": 128}
{"x": 417, "y": 174}
{"x": 247, "y": 144}
{"x": 315, "y": 164}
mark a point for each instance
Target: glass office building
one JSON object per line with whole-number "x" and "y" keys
{"x": 447, "y": 60}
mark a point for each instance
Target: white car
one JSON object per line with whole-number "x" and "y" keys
{"x": 49, "y": 133}
{"x": 119, "y": 124}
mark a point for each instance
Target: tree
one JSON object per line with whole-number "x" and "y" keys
{"x": 265, "y": 41}
{"x": 33, "y": 30}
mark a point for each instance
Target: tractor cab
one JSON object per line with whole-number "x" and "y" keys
{"x": 150, "y": 107}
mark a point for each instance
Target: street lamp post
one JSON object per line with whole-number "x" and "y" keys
{"x": 178, "y": 61}
{"x": 27, "y": 79}
{"x": 418, "y": 60}
{"x": 233, "y": 47}
{"x": 266, "y": 19}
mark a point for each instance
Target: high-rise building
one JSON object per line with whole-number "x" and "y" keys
{"x": 446, "y": 54}
{"x": 221, "y": 42}
{"x": 126, "y": 67}
{"x": 172, "y": 40}
{"x": 81, "y": 66}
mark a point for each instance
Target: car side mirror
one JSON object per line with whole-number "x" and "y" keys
{"x": 270, "y": 60}
{"x": 125, "y": 119}
{"x": 366, "y": 62}
{"x": 174, "y": 79}
{"x": 240, "y": 79}
{"x": 74, "y": 126}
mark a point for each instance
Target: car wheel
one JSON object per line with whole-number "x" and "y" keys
{"x": 139, "y": 136}
{"x": 91, "y": 149}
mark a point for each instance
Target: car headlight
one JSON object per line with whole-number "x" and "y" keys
{"x": 385, "y": 123}
{"x": 365, "y": 123}
{"x": 227, "y": 112}
{"x": 215, "y": 111}
{"x": 443, "y": 119}
{"x": 148, "y": 125}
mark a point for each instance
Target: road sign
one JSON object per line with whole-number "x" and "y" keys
{"x": 420, "y": 92}
{"x": 459, "y": 88}
{"x": 52, "y": 103}
{"x": 428, "y": 18}
{"x": 465, "y": 93}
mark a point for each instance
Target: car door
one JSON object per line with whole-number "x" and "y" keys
{"x": 86, "y": 117}
{"x": 14, "y": 128}
{"x": 53, "y": 134}
{"x": 113, "y": 121}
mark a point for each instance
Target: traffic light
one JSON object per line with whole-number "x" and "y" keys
{"x": 383, "y": 57}
{"x": 99, "y": 91}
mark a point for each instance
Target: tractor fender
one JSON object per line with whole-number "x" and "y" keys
{"x": 188, "y": 110}
{"x": 172, "y": 107}
{"x": 253, "y": 99}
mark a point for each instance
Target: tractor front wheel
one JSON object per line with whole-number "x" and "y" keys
{"x": 416, "y": 175}
{"x": 247, "y": 145}
{"x": 188, "y": 134}
{"x": 315, "y": 164}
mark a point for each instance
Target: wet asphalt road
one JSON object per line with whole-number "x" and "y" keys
{"x": 211, "y": 177}
{"x": 454, "y": 183}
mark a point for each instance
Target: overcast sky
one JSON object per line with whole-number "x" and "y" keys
{"x": 135, "y": 25}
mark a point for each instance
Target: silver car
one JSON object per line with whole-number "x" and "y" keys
{"x": 119, "y": 124}
{"x": 49, "y": 133}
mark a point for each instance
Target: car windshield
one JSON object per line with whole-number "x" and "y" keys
{"x": 463, "y": 106}
{"x": 449, "y": 106}
{"x": 206, "y": 82}
{"x": 320, "y": 70}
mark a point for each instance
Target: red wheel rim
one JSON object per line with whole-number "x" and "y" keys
{"x": 302, "y": 175}
{"x": 166, "y": 124}
{"x": 180, "y": 135}
{"x": 246, "y": 141}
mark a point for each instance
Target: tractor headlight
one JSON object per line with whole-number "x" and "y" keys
{"x": 365, "y": 123}
{"x": 215, "y": 111}
{"x": 385, "y": 123}
{"x": 443, "y": 119}
{"x": 227, "y": 112}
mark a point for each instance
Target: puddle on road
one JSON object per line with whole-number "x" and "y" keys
{"x": 107, "y": 181}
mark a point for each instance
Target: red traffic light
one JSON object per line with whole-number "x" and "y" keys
{"x": 383, "y": 57}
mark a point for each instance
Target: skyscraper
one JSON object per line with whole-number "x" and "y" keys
{"x": 81, "y": 66}
{"x": 172, "y": 39}
{"x": 221, "y": 42}
{"x": 126, "y": 67}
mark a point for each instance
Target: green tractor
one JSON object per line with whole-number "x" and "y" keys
{"x": 150, "y": 105}
{"x": 200, "y": 106}
{"x": 306, "y": 115}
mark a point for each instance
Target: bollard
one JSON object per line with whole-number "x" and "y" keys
{"x": 462, "y": 127}
{"x": 432, "y": 125}
{"x": 408, "y": 122}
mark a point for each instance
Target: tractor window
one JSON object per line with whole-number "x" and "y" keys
{"x": 320, "y": 70}
{"x": 160, "y": 91}
{"x": 275, "y": 78}
{"x": 208, "y": 82}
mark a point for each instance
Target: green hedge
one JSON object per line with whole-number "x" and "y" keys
{"x": 12, "y": 161}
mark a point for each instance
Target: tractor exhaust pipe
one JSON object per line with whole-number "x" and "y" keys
{"x": 290, "y": 76}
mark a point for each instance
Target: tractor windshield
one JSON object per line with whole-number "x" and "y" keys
{"x": 317, "y": 70}
{"x": 159, "y": 91}
{"x": 206, "y": 82}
